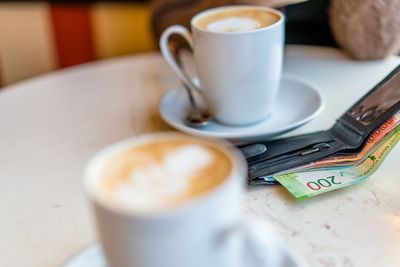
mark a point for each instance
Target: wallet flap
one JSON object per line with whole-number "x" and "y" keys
{"x": 278, "y": 147}
{"x": 375, "y": 107}
{"x": 278, "y": 164}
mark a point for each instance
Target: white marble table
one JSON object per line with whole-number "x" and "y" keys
{"x": 51, "y": 126}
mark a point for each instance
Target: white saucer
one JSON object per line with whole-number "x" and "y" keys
{"x": 298, "y": 102}
{"x": 92, "y": 256}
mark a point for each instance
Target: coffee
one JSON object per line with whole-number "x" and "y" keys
{"x": 163, "y": 173}
{"x": 238, "y": 56}
{"x": 237, "y": 19}
{"x": 170, "y": 194}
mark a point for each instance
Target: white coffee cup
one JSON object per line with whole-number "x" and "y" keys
{"x": 206, "y": 231}
{"x": 239, "y": 71}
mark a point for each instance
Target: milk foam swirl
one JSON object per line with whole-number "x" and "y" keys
{"x": 233, "y": 24}
{"x": 153, "y": 185}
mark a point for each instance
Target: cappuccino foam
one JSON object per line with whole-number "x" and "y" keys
{"x": 233, "y": 24}
{"x": 162, "y": 174}
{"x": 239, "y": 19}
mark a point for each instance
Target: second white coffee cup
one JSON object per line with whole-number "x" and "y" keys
{"x": 238, "y": 54}
{"x": 206, "y": 230}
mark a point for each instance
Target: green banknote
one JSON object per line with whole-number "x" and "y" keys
{"x": 309, "y": 183}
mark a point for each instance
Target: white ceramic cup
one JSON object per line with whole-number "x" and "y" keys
{"x": 239, "y": 72}
{"x": 205, "y": 231}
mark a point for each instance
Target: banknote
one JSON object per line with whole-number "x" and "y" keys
{"x": 373, "y": 140}
{"x": 342, "y": 160}
{"x": 309, "y": 183}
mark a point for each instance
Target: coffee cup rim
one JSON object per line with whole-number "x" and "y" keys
{"x": 93, "y": 168}
{"x": 230, "y": 7}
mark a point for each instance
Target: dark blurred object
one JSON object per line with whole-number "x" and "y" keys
{"x": 85, "y": 2}
{"x": 308, "y": 23}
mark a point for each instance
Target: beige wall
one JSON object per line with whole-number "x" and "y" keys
{"x": 26, "y": 47}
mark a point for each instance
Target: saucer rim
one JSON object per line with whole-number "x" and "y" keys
{"x": 286, "y": 250}
{"x": 178, "y": 125}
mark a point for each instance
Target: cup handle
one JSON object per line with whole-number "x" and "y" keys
{"x": 260, "y": 246}
{"x": 166, "y": 52}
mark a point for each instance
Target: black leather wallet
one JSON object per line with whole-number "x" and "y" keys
{"x": 348, "y": 134}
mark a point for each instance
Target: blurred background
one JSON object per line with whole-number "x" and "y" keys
{"x": 37, "y": 37}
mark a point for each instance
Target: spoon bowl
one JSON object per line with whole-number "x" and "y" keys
{"x": 198, "y": 114}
